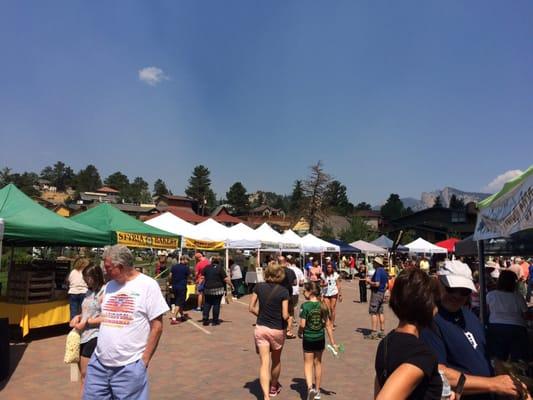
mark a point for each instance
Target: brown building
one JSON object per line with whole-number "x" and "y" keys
{"x": 372, "y": 218}
{"x": 437, "y": 223}
{"x": 275, "y": 217}
{"x": 221, "y": 215}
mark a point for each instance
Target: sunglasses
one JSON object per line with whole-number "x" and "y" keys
{"x": 460, "y": 291}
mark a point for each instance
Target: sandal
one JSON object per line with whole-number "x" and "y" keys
{"x": 290, "y": 336}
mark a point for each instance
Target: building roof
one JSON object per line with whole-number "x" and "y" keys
{"x": 226, "y": 218}
{"x": 367, "y": 214}
{"x": 184, "y": 213}
{"x": 107, "y": 189}
{"x": 265, "y": 207}
{"x": 172, "y": 197}
{"x": 134, "y": 208}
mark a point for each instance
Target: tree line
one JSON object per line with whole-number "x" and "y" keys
{"x": 314, "y": 197}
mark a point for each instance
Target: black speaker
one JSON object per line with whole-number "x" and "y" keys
{"x": 4, "y": 348}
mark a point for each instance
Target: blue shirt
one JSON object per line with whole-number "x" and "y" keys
{"x": 179, "y": 272}
{"x": 458, "y": 341}
{"x": 531, "y": 273}
{"x": 381, "y": 276}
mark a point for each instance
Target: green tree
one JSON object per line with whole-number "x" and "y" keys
{"x": 200, "y": 188}
{"x": 363, "y": 206}
{"x": 297, "y": 198}
{"x": 358, "y": 230}
{"x": 237, "y": 197}
{"x": 88, "y": 179}
{"x": 438, "y": 202}
{"x": 408, "y": 236}
{"x": 326, "y": 233}
{"x": 26, "y": 182}
{"x": 456, "y": 203}
{"x": 5, "y": 176}
{"x": 139, "y": 191}
{"x": 60, "y": 175}
{"x": 393, "y": 208}
{"x": 160, "y": 188}
{"x": 120, "y": 182}
{"x": 337, "y": 199}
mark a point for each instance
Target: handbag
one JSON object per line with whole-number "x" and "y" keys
{"x": 72, "y": 347}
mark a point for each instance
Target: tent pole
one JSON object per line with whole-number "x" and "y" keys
{"x": 482, "y": 282}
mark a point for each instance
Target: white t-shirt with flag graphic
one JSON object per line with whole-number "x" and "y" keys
{"x": 127, "y": 310}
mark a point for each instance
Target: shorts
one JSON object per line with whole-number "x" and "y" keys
{"x": 293, "y": 302}
{"x": 179, "y": 297}
{"x": 87, "y": 348}
{"x": 376, "y": 303}
{"x": 201, "y": 287}
{"x": 263, "y": 335}
{"x": 313, "y": 346}
{"x": 333, "y": 296}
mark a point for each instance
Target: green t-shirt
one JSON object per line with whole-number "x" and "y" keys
{"x": 314, "y": 324}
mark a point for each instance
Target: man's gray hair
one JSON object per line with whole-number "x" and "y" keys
{"x": 119, "y": 254}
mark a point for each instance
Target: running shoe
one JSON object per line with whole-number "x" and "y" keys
{"x": 274, "y": 390}
{"x": 318, "y": 397}
{"x": 311, "y": 394}
{"x": 174, "y": 322}
{"x": 198, "y": 309}
{"x": 381, "y": 334}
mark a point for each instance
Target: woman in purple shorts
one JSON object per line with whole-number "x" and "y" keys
{"x": 270, "y": 303}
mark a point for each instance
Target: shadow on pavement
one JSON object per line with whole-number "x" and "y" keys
{"x": 299, "y": 385}
{"x": 255, "y": 388}
{"x": 16, "y": 351}
{"x": 364, "y": 331}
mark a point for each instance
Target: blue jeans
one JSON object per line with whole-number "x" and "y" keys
{"x": 115, "y": 383}
{"x": 75, "y": 301}
{"x": 212, "y": 301}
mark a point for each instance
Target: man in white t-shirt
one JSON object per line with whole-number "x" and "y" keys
{"x": 132, "y": 323}
{"x": 295, "y": 288}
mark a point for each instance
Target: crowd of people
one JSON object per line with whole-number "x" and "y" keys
{"x": 440, "y": 349}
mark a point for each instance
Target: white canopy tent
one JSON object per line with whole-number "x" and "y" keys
{"x": 291, "y": 242}
{"x": 270, "y": 239}
{"x": 368, "y": 248}
{"x": 312, "y": 244}
{"x": 210, "y": 230}
{"x": 241, "y": 236}
{"x": 171, "y": 223}
{"x": 423, "y": 246}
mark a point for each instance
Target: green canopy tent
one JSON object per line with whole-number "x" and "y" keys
{"x": 27, "y": 223}
{"x": 124, "y": 229}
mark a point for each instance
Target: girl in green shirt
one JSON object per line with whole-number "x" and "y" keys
{"x": 314, "y": 320}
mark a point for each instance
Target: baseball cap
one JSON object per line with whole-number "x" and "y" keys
{"x": 328, "y": 258}
{"x": 456, "y": 274}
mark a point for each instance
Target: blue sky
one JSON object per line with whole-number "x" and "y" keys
{"x": 397, "y": 97}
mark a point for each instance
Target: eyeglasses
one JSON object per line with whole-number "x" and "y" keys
{"x": 460, "y": 291}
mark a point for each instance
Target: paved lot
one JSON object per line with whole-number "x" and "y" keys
{"x": 212, "y": 363}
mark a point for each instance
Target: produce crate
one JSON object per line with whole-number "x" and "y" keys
{"x": 28, "y": 287}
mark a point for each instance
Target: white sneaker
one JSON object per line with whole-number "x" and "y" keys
{"x": 312, "y": 393}
{"x": 317, "y": 396}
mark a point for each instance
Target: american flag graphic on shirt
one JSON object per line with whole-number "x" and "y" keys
{"x": 118, "y": 310}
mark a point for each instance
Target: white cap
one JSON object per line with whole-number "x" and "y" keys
{"x": 456, "y": 274}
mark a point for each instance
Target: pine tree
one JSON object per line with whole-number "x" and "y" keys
{"x": 297, "y": 198}
{"x": 200, "y": 188}
{"x": 315, "y": 187}
{"x": 438, "y": 202}
{"x": 393, "y": 208}
{"x": 88, "y": 179}
{"x": 160, "y": 188}
{"x": 237, "y": 198}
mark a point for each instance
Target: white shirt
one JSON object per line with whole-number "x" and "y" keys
{"x": 299, "y": 277}
{"x": 331, "y": 288}
{"x": 236, "y": 272}
{"x": 76, "y": 283}
{"x": 127, "y": 310}
{"x": 506, "y": 308}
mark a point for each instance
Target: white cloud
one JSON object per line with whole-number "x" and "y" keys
{"x": 152, "y": 75}
{"x": 497, "y": 183}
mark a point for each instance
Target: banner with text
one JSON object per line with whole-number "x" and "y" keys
{"x": 203, "y": 245}
{"x": 147, "y": 241}
{"x": 508, "y": 213}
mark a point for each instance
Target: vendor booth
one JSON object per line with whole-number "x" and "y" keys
{"x": 126, "y": 230}
{"x": 387, "y": 243}
{"x": 34, "y": 294}
{"x": 421, "y": 246}
{"x": 368, "y": 248}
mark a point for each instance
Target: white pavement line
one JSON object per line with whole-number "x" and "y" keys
{"x": 240, "y": 302}
{"x": 199, "y": 327}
